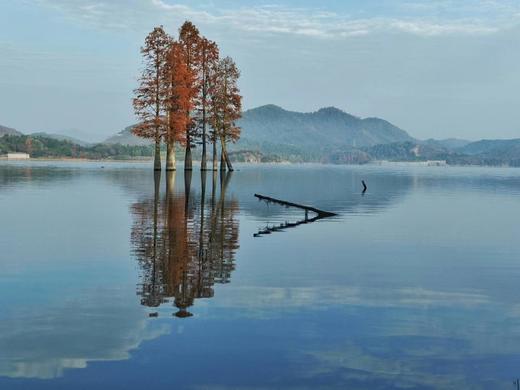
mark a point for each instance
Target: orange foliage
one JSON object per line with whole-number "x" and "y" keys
{"x": 189, "y": 38}
{"x": 181, "y": 94}
{"x": 183, "y": 87}
{"x": 209, "y": 57}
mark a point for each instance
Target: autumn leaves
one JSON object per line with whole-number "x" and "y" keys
{"x": 187, "y": 95}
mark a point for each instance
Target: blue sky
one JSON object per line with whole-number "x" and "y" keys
{"x": 435, "y": 68}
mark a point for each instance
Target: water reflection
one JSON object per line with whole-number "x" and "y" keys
{"x": 415, "y": 286}
{"x": 184, "y": 242}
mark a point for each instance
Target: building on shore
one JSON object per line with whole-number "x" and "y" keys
{"x": 18, "y": 156}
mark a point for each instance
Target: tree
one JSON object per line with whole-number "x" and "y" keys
{"x": 180, "y": 99}
{"x": 209, "y": 56}
{"x": 189, "y": 38}
{"x": 28, "y": 145}
{"x": 150, "y": 96}
{"x": 226, "y": 107}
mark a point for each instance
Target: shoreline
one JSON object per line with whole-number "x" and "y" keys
{"x": 430, "y": 164}
{"x": 65, "y": 159}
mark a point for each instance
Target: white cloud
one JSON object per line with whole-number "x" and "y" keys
{"x": 488, "y": 17}
{"x": 268, "y": 298}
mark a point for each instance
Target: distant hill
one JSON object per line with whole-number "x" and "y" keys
{"x": 485, "y": 152}
{"x": 326, "y": 127}
{"x": 407, "y": 151}
{"x": 7, "y": 130}
{"x": 60, "y": 137}
{"x": 448, "y": 143}
{"x": 126, "y": 137}
{"x": 498, "y": 147}
{"x": 41, "y": 146}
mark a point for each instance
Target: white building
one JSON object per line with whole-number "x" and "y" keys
{"x": 18, "y": 156}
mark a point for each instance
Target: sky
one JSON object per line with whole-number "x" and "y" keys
{"x": 437, "y": 69}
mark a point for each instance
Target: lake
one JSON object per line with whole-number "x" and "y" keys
{"x": 112, "y": 277}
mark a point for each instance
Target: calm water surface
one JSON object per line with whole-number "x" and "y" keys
{"x": 113, "y": 278}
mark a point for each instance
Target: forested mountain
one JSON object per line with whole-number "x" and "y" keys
{"x": 328, "y": 135}
{"x": 490, "y": 152}
{"x": 325, "y": 127}
{"x": 448, "y": 143}
{"x": 60, "y": 137}
{"x": 498, "y": 147}
{"x": 40, "y": 146}
{"x": 485, "y": 152}
{"x": 407, "y": 151}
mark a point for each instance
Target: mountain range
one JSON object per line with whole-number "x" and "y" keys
{"x": 4, "y": 130}
{"x": 327, "y": 126}
{"x": 330, "y": 135}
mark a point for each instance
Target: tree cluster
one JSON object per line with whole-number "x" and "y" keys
{"x": 187, "y": 96}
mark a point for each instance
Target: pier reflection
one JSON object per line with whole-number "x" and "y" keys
{"x": 184, "y": 241}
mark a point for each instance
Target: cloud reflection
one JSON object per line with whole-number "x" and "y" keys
{"x": 93, "y": 326}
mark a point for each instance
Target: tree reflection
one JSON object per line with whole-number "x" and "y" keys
{"x": 183, "y": 242}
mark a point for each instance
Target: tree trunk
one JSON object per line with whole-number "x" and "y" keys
{"x": 187, "y": 190}
{"x": 157, "y": 155}
{"x": 170, "y": 188}
{"x": 170, "y": 157}
{"x": 203, "y": 163}
{"x": 228, "y": 161}
{"x": 188, "y": 163}
{"x": 203, "y": 176}
{"x": 202, "y": 242}
{"x": 215, "y": 158}
{"x": 157, "y": 190}
{"x": 225, "y": 156}
{"x": 213, "y": 189}
{"x": 222, "y": 160}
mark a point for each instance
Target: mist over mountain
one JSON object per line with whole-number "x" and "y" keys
{"x": 126, "y": 137}
{"x": 4, "y": 130}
